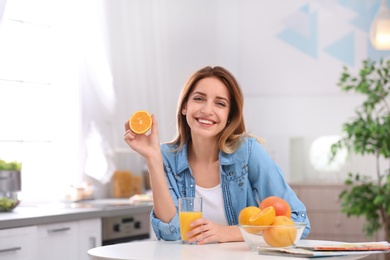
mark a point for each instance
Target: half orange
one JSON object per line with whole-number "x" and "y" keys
{"x": 140, "y": 122}
{"x": 264, "y": 218}
{"x": 246, "y": 213}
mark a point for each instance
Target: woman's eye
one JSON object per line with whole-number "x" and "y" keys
{"x": 198, "y": 98}
{"x": 221, "y": 104}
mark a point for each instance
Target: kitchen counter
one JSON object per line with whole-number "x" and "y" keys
{"x": 46, "y": 213}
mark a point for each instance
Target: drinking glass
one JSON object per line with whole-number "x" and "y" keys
{"x": 190, "y": 209}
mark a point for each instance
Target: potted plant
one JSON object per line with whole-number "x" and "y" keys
{"x": 368, "y": 133}
{"x": 10, "y": 185}
{"x": 10, "y": 166}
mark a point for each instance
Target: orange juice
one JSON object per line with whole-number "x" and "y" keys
{"x": 186, "y": 218}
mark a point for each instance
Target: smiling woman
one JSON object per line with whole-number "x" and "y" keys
{"x": 39, "y": 111}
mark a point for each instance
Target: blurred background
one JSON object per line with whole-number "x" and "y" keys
{"x": 72, "y": 73}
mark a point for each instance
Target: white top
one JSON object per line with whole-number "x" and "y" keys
{"x": 212, "y": 206}
{"x": 173, "y": 250}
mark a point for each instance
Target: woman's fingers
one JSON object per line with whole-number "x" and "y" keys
{"x": 154, "y": 125}
{"x": 199, "y": 230}
{"x": 127, "y": 127}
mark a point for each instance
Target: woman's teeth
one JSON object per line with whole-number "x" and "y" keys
{"x": 207, "y": 122}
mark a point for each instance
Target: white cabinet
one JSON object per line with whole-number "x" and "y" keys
{"x": 57, "y": 241}
{"x": 18, "y": 243}
{"x": 68, "y": 240}
{"x": 60, "y": 241}
{"x": 90, "y": 236}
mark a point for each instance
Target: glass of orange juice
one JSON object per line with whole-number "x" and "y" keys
{"x": 190, "y": 209}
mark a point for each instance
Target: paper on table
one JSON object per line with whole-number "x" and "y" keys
{"x": 341, "y": 246}
{"x": 300, "y": 252}
{"x": 329, "y": 248}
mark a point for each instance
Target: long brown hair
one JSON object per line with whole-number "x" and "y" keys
{"x": 230, "y": 137}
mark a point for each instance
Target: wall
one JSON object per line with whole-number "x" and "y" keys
{"x": 287, "y": 55}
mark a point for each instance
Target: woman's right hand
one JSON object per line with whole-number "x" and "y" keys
{"x": 146, "y": 145}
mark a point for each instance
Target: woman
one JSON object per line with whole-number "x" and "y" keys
{"x": 212, "y": 157}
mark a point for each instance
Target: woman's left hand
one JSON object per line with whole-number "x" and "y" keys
{"x": 205, "y": 231}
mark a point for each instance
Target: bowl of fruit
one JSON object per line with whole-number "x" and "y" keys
{"x": 269, "y": 225}
{"x": 276, "y": 235}
{"x": 8, "y": 201}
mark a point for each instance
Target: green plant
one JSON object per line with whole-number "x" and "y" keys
{"x": 10, "y": 166}
{"x": 368, "y": 133}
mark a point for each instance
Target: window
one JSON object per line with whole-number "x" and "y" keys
{"x": 39, "y": 93}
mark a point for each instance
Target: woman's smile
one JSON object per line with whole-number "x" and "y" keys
{"x": 203, "y": 121}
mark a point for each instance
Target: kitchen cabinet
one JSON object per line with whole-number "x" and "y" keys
{"x": 18, "y": 243}
{"x": 89, "y": 235}
{"x": 326, "y": 220}
{"x": 57, "y": 241}
{"x": 68, "y": 240}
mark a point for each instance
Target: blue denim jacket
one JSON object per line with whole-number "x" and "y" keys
{"x": 247, "y": 176}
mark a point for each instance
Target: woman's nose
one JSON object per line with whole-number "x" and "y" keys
{"x": 207, "y": 108}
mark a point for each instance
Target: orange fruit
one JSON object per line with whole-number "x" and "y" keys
{"x": 246, "y": 214}
{"x": 282, "y": 232}
{"x": 282, "y": 208}
{"x": 140, "y": 122}
{"x": 264, "y": 218}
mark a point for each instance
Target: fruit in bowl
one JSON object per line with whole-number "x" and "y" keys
{"x": 8, "y": 201}
{"x": 269, "y": 225}
{"x": 276, "y": 235}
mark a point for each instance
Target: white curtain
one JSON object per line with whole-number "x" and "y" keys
{"x": 98, "y": 95}
{"x": 153, "y": 46}
{"x": 156, "y": 44}
{"x": 2, "y": 8}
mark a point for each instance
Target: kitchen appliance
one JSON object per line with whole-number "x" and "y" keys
{"x": 10, "y": 181}
{"x": 10, "y": 187}
{"x": 126, "y": 227}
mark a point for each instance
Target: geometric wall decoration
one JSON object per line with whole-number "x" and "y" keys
{"x": 343, "y": 49}
{"x": 301, "y": 31}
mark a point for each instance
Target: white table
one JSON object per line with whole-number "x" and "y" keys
{"x": 149, "y": 249}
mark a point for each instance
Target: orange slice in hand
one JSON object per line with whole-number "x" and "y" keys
{"x": 140, "y": 122}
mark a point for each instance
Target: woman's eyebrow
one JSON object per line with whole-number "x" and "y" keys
{"x": 198, "y": 93}
{"x": 223, "y": 98}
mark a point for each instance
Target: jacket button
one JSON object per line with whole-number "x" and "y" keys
{"x": 172, "y": 229}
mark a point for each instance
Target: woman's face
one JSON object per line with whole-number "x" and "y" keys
{"x": 207, "y": 108}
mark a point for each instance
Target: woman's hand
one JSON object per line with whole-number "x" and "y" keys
{"x": 205, "y": 231}
{"x": 145, "y": 145}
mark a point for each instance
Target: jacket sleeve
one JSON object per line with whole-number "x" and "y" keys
{"x": 268, "y": 179}
{"x": 167, "y": 231}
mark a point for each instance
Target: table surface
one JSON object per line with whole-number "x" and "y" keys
{"x": 151, "y": 249}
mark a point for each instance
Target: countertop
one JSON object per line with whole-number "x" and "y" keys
{"x": 46, "y": 213}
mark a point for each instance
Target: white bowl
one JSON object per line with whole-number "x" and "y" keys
{"x": 272, "y": 236}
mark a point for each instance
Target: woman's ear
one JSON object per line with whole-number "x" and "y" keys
{"x": 184, "y": 110}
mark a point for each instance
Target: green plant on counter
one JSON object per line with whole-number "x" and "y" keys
{"x": 7, "y": 204}
{"x": 10, "y": 166}
{"x": 368, "y": 133}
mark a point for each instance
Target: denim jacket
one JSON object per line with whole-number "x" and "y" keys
{"x": 247, "y": 176}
